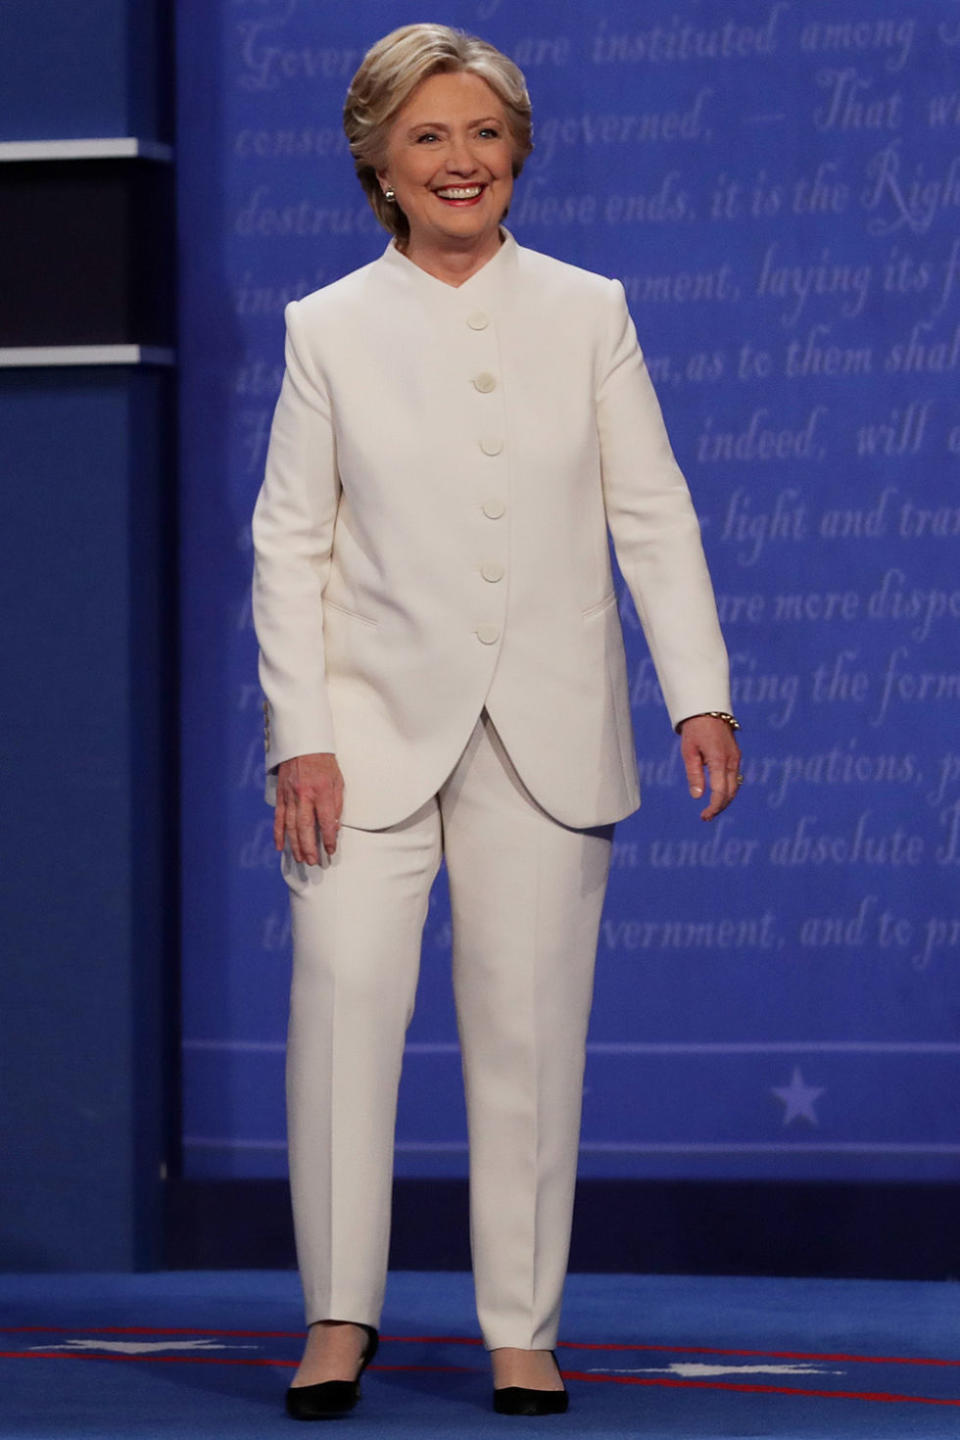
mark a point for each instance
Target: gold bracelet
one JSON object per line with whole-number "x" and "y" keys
{"x": 724, "y": 715}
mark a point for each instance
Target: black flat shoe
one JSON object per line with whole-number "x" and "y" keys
{"x": 518, "y": 1400}
{"x": 331, "y": 1398}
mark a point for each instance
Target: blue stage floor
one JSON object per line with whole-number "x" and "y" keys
{"x": 187, "y": 1354}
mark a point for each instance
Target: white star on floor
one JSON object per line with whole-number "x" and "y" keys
{"x": 798, "y": 1098}
{"x": 141, "y": 1347}
{"x": 696, "y": 1370}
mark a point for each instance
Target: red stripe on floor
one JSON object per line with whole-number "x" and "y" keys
{"x": 687, "y": 1350}
{"x": 677, "y": 1384}
{"x": 760, "y": 1354}
{"x": 148, "y": 1330}
{"x": 602, "y": 1346}
{"x": 205, "y": 1360}
{"x": 140, "y": 1359}
{"x": 664, "y": 1382}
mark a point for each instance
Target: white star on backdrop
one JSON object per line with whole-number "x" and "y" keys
{"x": 798, "y": 1098}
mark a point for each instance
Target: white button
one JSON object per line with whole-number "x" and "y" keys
{"x": 477, "y": 320}
{"x": 488, "y": 634}
{"x": 491, "y": 444}
{"x": 492, "y": 570}
{"x": 493, "y": 509}
{"x": 485, "y": 382}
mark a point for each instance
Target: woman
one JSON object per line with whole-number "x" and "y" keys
{"x": 460, "y": 422}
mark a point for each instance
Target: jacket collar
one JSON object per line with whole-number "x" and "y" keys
{"x": 483, "y": 286}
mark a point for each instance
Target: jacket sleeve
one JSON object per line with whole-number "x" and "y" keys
{"x": 655, "y": 530}
{"x": 293, "y": 525}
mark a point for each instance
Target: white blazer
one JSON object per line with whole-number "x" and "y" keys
{"x": 431, "y": 537}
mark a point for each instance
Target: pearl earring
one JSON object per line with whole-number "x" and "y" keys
{"x": 390, "y": 195}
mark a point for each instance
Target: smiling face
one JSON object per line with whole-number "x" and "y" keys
{"x": 450, "y": 162}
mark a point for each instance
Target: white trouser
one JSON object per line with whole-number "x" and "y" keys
{"x": 526, "y": 894}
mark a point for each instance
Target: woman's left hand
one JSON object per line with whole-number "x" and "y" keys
{"x": 707, "y": 741}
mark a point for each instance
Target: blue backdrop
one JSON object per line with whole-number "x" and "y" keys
{"x": 777, "y": 184}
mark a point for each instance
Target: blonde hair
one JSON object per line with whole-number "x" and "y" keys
{"x": 388, "y": 75}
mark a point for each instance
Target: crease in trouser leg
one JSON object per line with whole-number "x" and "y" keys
{"x": 355, "y": 972}
{"x": 309, "y": 1088}
{"x": 526, "y": 895}
{"x": 500, "y": 1044}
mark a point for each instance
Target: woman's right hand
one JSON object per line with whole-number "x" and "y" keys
{"x": 309, "y": 798}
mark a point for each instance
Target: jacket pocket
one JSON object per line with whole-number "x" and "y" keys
{"x": 601, "y": 605}
{"x": 351, "y": 614}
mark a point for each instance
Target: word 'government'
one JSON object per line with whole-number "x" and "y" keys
{"x": 752, "y": 933}
{"x": 267, "y": 65}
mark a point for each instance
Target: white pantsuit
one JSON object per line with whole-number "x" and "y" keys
{"x": 446, "y": 465}
{"x": 526, "y": 895}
